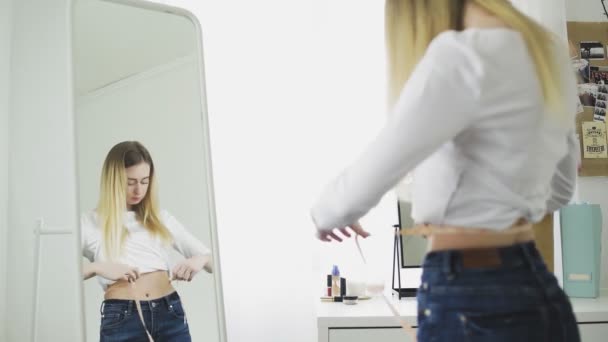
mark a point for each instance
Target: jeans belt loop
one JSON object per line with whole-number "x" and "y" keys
{"x": 167, "y": 300}
{"x": 447, "y": 263}
{"x": 528, "y": 256}
{"x": 130, "y": 306}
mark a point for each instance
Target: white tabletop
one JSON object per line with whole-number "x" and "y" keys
{"x": 375, "y": 313}
{"x": 367, "y": 313}
{"x": 591, "y": 309}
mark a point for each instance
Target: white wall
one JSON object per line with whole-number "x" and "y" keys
{"x": 351, "y": 88}
{"x": 161, "y": 109}
{"x": 5, "y": 52}
{"x": 585, "y": 10}
{"x": 550, "y": 13}
{"x": 281, "y": 85}
{"x": 41, "y": 171}
{"x": 593, "y": 189}
{"x": 266, "y": 152}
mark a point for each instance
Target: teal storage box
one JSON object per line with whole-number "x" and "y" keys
{"x": 581, "y": 230}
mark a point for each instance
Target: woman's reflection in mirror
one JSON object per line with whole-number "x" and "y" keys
{"x": 127, "y": 240}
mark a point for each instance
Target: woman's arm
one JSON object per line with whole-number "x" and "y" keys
{"x": 438, "y": 102}
{"x": 88, "y": 270}
{"x": 109, "y": 270}
{"x": 197, "y": 255}
{"x": 188, "y": 268}
{"x": 208, "y": 267}
{"x": 208, "y": 263}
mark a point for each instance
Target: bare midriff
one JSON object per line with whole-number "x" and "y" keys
{"x": 148, "y": 286}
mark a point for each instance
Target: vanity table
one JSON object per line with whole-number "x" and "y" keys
{"x": 371, "y": 320}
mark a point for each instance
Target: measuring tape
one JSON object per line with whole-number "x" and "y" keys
{"x": 139, "y": 310}
{"x": 405, "y": 325}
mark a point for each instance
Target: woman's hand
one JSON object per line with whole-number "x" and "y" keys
{"x": 188, "y": 268}
{"x": 329, "y": 235}
{"x": 111, "y": 271}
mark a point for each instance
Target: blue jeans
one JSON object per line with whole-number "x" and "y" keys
{"x": 516, "y": 299}
{"x": 164, "y": 317}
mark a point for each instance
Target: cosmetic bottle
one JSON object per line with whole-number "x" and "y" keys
{"x": 335, "y": 281}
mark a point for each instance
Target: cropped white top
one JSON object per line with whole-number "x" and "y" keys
{"x": 141, "y": 249}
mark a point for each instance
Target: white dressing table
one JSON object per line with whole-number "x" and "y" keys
{"x": 371, "y": 320}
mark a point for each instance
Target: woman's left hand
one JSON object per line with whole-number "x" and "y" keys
{"x": 188, "y": 268}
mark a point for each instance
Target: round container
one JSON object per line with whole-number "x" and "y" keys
{"x": 350, "y": 300}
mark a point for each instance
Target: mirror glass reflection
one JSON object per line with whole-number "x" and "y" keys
{"x": 147, "y": 223}
{"x": 413, "y": 247}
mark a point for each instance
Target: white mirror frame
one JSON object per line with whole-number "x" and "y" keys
{"x": 219, "y": 297}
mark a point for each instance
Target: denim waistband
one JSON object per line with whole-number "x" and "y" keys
{"x": 519, "y": 255}
{"x": 129, "y": 304}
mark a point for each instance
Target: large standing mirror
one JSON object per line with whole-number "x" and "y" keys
{"x": 413, "y": 247}
{"x": 409, "y": 253}
{"x": 138, "y": 78}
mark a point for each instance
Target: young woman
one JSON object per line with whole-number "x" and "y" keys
{"x": 483, "y": 113}
{"x": 127, "y": 239}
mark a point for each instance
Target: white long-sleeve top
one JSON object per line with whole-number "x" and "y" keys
{"x": 472, "y": 125}
{"x": 141, "y": 249}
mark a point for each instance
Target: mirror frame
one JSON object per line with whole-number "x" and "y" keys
{"x": 148, "y": 5}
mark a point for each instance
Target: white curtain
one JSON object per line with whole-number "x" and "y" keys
{"x": 551, "y": 13}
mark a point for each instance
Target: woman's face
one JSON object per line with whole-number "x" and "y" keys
{"x": 138, "y": 180}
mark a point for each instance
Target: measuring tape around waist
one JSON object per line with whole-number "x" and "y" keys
{"x": 428, "y": 230}
{"x": 139, "y": 310}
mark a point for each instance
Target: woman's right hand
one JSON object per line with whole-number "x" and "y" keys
{"x": 329, "y": 235}
{"x": 114, "y": 271}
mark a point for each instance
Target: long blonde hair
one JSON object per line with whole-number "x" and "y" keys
{"x": 113, "y": 198}
{"x": 411, "y": 25}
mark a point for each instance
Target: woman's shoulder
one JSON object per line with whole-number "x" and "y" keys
{"x": 454, "y": 49}
{"x": 89, "y": 227}
{"x": 167, "y": 218}
{"x": 170, "y": 221}
{"x": 450, "y": 56}
{"x": 477, "y": 42}
{"x": 450, "y": 39}
{"x": 164, "y": 214}
{"x": 89, "y": 215}
{"x": 89, "y": 219}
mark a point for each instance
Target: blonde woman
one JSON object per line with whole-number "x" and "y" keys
{"x": 483, "y": 113}
{"x": 127, "y": 239}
